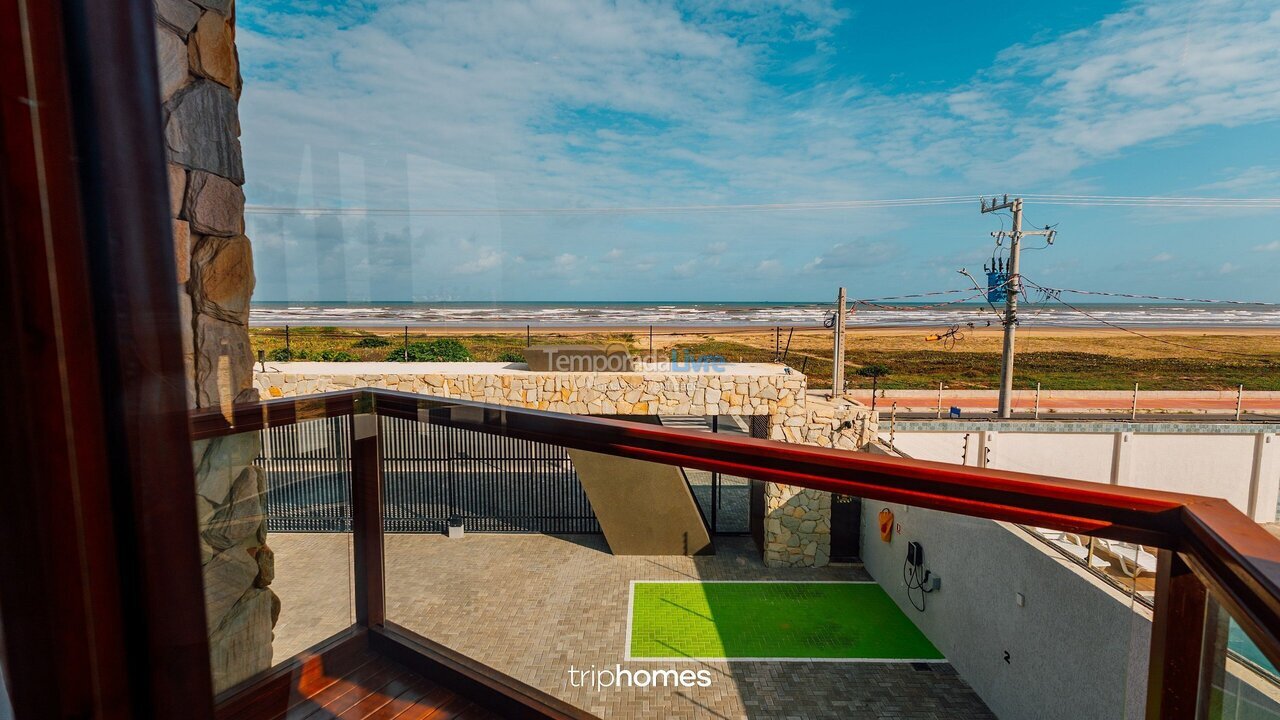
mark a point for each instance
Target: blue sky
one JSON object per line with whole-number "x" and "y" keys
{"x": 479, "y": 104}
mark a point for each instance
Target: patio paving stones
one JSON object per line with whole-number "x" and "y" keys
{"x": 537, "y": 606}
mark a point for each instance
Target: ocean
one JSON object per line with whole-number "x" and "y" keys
{"x": 763, "y": 314}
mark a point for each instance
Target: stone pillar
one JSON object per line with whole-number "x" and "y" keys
{"x": 200, "y": 88}
{"x": 797, "y": 523}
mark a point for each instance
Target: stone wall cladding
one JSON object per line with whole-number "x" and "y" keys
{"x": 797, "y": 528}
{"x": 200, "y": 85}
{"x": 797, "y": 520}
{"x": 779, "y": 396}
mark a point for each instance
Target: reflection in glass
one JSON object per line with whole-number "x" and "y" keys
{"x": 1242, "y": 684}
{"x": 274, "y": 517}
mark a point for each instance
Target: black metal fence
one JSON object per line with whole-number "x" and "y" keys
{"x": 430, "y": 473}
{"x": 308, "y": 476}
{"x": 494, "y": 483}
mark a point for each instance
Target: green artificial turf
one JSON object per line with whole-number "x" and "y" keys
{"x": 852, "y": 621}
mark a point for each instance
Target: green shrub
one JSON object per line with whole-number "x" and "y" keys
{"x": 336, "y": 356}
{"x": 873, "y": 371}
{"x": 511, "y": 356}
{"x": 441, "y": 350}
{"x": 285, "y": 355}
{"x": 373, "y": 341}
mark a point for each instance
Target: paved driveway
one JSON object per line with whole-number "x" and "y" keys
{"x": 536, "y": 606}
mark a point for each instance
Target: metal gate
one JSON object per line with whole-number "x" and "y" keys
{"x": 308, "y": 476}
{"x": 724, "y": 500}
{"x": 494, "y": 483}
{"x": 430, "y": 473}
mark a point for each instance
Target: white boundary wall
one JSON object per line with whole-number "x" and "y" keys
{"x": 1075, "y": 649}
{"x": 1237, "y": 462}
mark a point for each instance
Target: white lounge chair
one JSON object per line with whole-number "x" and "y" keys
{"x": 1073, "y": 545}
{"x": 1062, "y": 535}
{"x": 1132, "y": 558}
{"x": 1081, "y": 553}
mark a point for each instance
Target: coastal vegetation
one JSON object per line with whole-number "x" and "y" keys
{"x": 1078, "y": 360}
{"x": 438, "y": 350}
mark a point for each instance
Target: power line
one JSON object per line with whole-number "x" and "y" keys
{"x": 851, "y": 204}
{"x": 911, "y": 295}
{"x": 1175, "y": 201}
{"x": 1137, "y": 296}
{"x": 637, "y": 210}
{"x": 1150, "y": 198}
{"x": 929, "y": 306}
{"x": 1053, "y": 296}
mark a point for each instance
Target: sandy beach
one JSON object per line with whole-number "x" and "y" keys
{"x": 1172, "y": 358}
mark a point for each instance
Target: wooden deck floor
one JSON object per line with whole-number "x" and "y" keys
{"x": 378, "y": 689}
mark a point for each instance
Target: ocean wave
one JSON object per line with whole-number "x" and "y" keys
{"x": 499, "y": 315}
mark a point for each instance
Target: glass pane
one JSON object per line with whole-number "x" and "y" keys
{"x": 274, "y": 513}
{"x": 596, "y": 615}
{"x": 1016, "y": 611}
{"x": 6, "y": 707}
{"x": 1127, "y": 567}
{"x": 488, "y": 483}
{"x": 1242, "y": 683}
{"x": 723, "y": 499}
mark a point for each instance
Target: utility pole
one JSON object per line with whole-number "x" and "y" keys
{"x": 1013, "y": 285}
{"x": 837, "y": 367}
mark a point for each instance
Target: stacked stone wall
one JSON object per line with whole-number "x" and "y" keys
{"x": 780, "y": 396}
{"x": 200, "y": 88}
{"x": 797, "y": 524}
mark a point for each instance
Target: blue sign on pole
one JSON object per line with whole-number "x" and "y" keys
{"x": 997, "y": 287}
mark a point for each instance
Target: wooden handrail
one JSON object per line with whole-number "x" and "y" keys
{"x": 1236, "y": 559}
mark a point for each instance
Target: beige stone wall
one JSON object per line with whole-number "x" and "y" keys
{"x": 777, "y": 395}
{"x": 200, "y": 87}
{"x": 797, "y": 520}
{"x": 797, "y": 528}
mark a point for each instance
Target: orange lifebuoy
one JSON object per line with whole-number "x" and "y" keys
{"x": 886, "y": 524}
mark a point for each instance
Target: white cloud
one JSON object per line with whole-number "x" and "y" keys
{"x": 686, "y": 268}
{"x": 1250, "y": 178}
{"x": 768, "y": 267}
{"x": 478, "y": 260}
{"x": 845, "y": 256}
{"x": 1272, "y": 246}
{"x": 1152, "y": 71}
{"x": 594, "y": 103}
{"x": 1162, "y": 257}
{"x": 588, "y": 103}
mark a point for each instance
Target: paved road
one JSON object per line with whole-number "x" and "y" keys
{"x": 1095, "y": 416}
{"x": 1108, "y": 403}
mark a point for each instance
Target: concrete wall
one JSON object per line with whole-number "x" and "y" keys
{"x": 1237, "y": 462}
{"x": 1075, "y": 648}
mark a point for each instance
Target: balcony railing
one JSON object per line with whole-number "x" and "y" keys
{"x": 1213, "y": 561}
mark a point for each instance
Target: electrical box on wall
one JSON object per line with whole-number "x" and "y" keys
{"x": 917, "y": 578}
{"x": 915, "y": 554}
